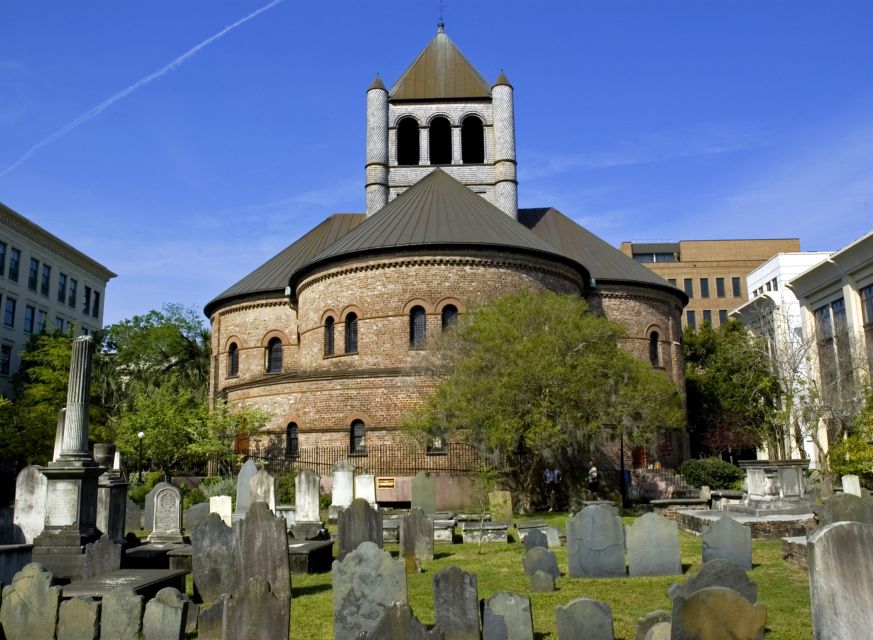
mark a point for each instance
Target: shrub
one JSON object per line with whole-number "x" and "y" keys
{"x": 286, "y": 489}
{"x": 190, "y": 497}
{"x": 712, "y": 472}
{"x": 138, "y": 490}
{"x": 853, "y": 455}
{"x": 223, "y": 486}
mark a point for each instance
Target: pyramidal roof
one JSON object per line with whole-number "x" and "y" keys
{"x": 440, "y": 71}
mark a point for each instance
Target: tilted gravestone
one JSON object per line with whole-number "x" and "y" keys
{"x": 365, "y": 583}
{"x": 121, "y": 615}
{"x": 507, "y": 616}
{"x": 456, "y": 603}
{"x": 357, "y": 524}
{"x": 717, "y": 573}
{"x": 262, "y": 488}
{"x": 254, "y": 612}
{"x": 166, "y": 523}
{"x": 399, "y": 623}
{"x": 244, "y": 489}
{"x": 651, "y": 620}
{"x": 717, "y": 612}
{"x": 101, "y": 557}
{"x": 841, "y": 580}
{"x": 535, "y": 538}
{"x": 416, "y": 538}
{"x": 29, "y": 515}
{"x": 844, "y": 507}
{"x": 727, "y": 539}
{"x": 542, "y": 582}
{"x": 595, "y": 544}
{"x": 194, "y": 515}
{"x": 213, "y": 558}
{"x": 165, "y": 615}
{"x": 584, "y": 618}
{"x": 500, "y": 505}
{"x": 306, "y": 494}
{"x": 653, "y": 547}
{"x": 211, "y": 621}
{"x": 30, "y": 605}
{"x": 424, "y": 492}
{"x": 79, "y": 619}
{"x": 539, "y": 559}
{"x": 261, "y": 549}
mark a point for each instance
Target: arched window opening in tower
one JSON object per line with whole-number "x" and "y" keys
{"x": 654, "y": 354}
{"x": 352, "y": 333}
{"x": 449, "y": 316}
{"x": 417, "y": 328}
{"x": 328, "y": 336}
{"x": 407, "y": 142}
{"x": 472, "y": 141}
{"x": 356, "y": 443}
{"x": 232, "y": 360}
{"x": 440, "y": 141}
{"x": 292, "y": 443}
{"x": 274, "y": 356}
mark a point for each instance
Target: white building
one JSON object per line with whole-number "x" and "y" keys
{"x": 44, "y": 284}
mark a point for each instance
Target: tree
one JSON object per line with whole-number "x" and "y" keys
{"x": 543, "y": 371}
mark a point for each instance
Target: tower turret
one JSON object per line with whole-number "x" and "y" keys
{"x": 377, "y": 146}
{"x": 505, "y": 175}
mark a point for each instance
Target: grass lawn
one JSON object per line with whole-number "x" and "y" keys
{"x": 782, "y": 588}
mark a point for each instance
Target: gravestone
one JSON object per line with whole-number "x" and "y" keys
{"x": 365, "y": 488}
{"x": 424, "y": 492}
{"x": 132, "y": 517}
{"x": 399, "y": 623}
{"x": 256, "y": 613}
{"x": 29, "y": 515}
{"x": 101, "y": 557}
{"x": 111, "y": 493}
{"x": 357, "y": 524}
{"x": 500, "y": 505}
{"x": 653, "y": 547}
{"x": 659, "y": 631}
{"x": 165, "y": 616}
{"x": 841, "y": 580}
{"x": 306, "y": 485}
{"x": 210, "y": 622}
{"x": 213, "y": 558}
{"x": 166, "y": 526}
{"x": 717, "y": 573}
{"x": 584, "y": 618}
{"x": 59, "y": 434}
{"x": 507, "y": 616}
{"x": 542, "y": 582}
{"x": 121, "y": 615}
{"x": 553, "y": 535}
{"x": 651, "y": 620}
{"x": 844, "y": 507}
{"x": 852, "y": 485}
{"x": 149, "y": 508}
{"x": 79, "y": 619}
{"x": 223, "y": 506}
{"x": 261, "y": 549}
{"x": 535, "y": 538}
{"x": 262, "y": 488}
{"x": 595, "y": 544}
{"x": 194, "y": 515}
{"x": 540, "y": 559}
{"x": 718, "y": 612}
{"x": 488, "y": 532}
{"x": 416, "y": 538}
{"x": 365, "y": 583}
{"x": 30, "y": 605}
{"x": 705, "y": 493}
{"x": 343, "y": 488}
{"x": 244, "y": 489}
{"x": 729, "y": 540}
{"x": 456, "y": 604}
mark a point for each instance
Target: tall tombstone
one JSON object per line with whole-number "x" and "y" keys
{"x": 343, "y": 488}
{"x": 166, "y": 524}
{"x": 365, "y": 583}
{"x": 261, "y": 549}
{"x": 507, "y": 616}
{"x": 653, "y": 547}
{"x": 416, "y": 538}
{"x": 359, "y": 523}
{"x": 584, "y": 618}
{"x": 307, "y": 486}
{"x": 255, "y": 612}
{"x": 79, "y": 619}
{"x": 717, "y": 573}
{"x": 718, "y": 612}
{"x": 165, "y": 615}
{"x": 244, "y": 489}
{"x": 424, "y": 492}
{"x": 852, "y": 485}
{"x": 456, "y": 604}
{"x": 595, "y": 544}
{"x": 213, "y": 558}
{"x": 223, "y": 506}
{"x": 365, "y": 487}
{"x": 30, "y": 605}
{"x": 841, "y": 580}
{"x": 500, "y": 505}
{"x": 29, "y": 515}
{"x": 121, "y": 615}
{"x": 729, "y": 540}
{"x": 111, "y": 494}
{"x": 262, "y": 488}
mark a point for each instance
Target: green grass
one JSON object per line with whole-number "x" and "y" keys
{"x": 782, "y": 588}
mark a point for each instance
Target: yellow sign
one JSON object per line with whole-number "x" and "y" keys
{"x": 385, "y": 483}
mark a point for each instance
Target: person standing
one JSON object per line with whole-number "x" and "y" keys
{"x": 593, "y": 480}
{"x": 552, "y": 478}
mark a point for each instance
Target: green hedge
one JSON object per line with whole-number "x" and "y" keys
{"x": 712, "y": 472}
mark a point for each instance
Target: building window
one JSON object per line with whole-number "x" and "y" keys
{"x": 2, "y": 258}
{"x": 233, "y": 360}
{"x": 40, "y": 321}
{"x": 417, "y": 328}
{"x": 472, "y": 141}
{"x": 704, "y": 287}
{"x": 33, "y": 274}
{"x": 449, "y": 316}
{"x": 436, "y": 446}
{"x": 689, "y": 287}
{"x": 719, "y": 287}
{"x": 646, "y": 258}
{"x": 691, "y": 319}
{"x": 707, "y": 316}
{"x": 274, "y": 356}
{"x": 72, "y": 299}
{"x": 46, "y": 279}
{"x": 329, "y": 327}
{"x": 292, "y": 443}
{"x": 672, "y": 281}
{"x": 867, "y": 304}
{"x": 62, "y": 287}
{"x": 654, "y": 350}
{"x": 356, "y": 443}
{"x": 14, "y": 264}
{"x": 59, "y": 324}
{"x": 722, "y": 316}
{"x": 352, "y": 333}
{"x": 5, "y": 359}
{"x": 95, "y": 308}
{"x": 735, "y": 285}
{"x": 440, "y": 141}
{"x": 28, "y": 318}
{"x": 407, "y": 142}
{"x": 9, "y": 312}
{"x": 86, "y": 301}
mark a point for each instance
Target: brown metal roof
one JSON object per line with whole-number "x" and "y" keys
{"x": 272, "y": 276}
{"x": 440, "y": 71}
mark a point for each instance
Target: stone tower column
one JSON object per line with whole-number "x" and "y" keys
{"x": 78, "y": 400}
{"x": 377, "y": 146}
{"x": 505, "y": 177}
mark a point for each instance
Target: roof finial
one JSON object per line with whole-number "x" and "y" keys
{"x": 441, "y": 26}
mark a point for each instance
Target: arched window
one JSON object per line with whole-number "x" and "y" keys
{"x": 328, "y": 336}
{"x": 407, "y": 141}
{"x": 472, "y": 141}
{"x": 274, "y": 356}
{"x": 440, "y": 141}
{"x": 449, "y": 316}
{"x": 356, "y": 433}
{"x": 654, "y": 352}
{"x": 292, "y": 444}
{"x": 417, "y": 328}
{"x": 232, "y": 360}
{"x": 352, "y": 333}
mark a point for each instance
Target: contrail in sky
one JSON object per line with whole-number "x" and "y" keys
{"x": 95, "y": 111}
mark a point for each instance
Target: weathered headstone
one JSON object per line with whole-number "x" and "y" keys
{"x": 79, "y": 619}
{"x": 500, "y": 504}
{"x": 29, "y": 518}
{"x": 101, "y": 557}
{"x": 132, "y": 516}
{"x": 841, "y": 580}
{"x": 650, "y": 620}
{"x": 307, "y": 488}
{"x": 456, "y": 603}
{"x": 653, "y": 547}
{"x": 244, "y": 489}
{"x": 213, "y": 558}
{"x": 718, "y": 612}
{"x": 194, "y": 515}
{"x": 705, "y": 493}
{"x": 223, "y": 506}
{"x": 359, "y": 523}
{"x": 111, "y": 493}
{"x": 261, "y": 549}
{"x": 424, "y": 492}
{"x": 717, "y": 573}
{"x": 262, "y": 488}
{"x": 166, "y": 527}
{"x": 149, "y": 508}
{"x": 254, "y": 612}
{"x": 659, "y": 631}
{"x": 553, "y": 535}
{"x": 845, "y": 507}
{"x": 365, "y": 488}
{"x": 852, "y": 485}
{"x": 542, "y": 582}
{"x": 343, "y": 488}
{"x": 595, "y": 544}
{"x": 416, "y": 538}
{"x": 584, "y": 618}
{"x": 365, "y": 583}
{"x": 121, "y": 617}
{"x": 165, "y": 616}
{"x": 507, "y": 616}
{"x": 399, "y": 623}
{"x": 729, "y": 540}
{"x": 30, "y": 605}
{"x": 210, "y": 621}
{"x": 540, "y": 559}
{"x": 535, "y": 538}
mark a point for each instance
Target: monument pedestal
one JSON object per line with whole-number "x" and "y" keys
{"x": 308, "y": 530}
{"x": 775, "y": 487}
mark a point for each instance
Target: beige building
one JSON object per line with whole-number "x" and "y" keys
{"x": 712, "y": 273}
{"x": 45, "y": 284}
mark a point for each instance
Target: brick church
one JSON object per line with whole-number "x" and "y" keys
{"x": 330, "y": 335}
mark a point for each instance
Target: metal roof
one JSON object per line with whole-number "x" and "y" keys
{"x": 440, "y": 71}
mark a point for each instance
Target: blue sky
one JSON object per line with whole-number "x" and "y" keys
{"x": 643, "y": 120}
